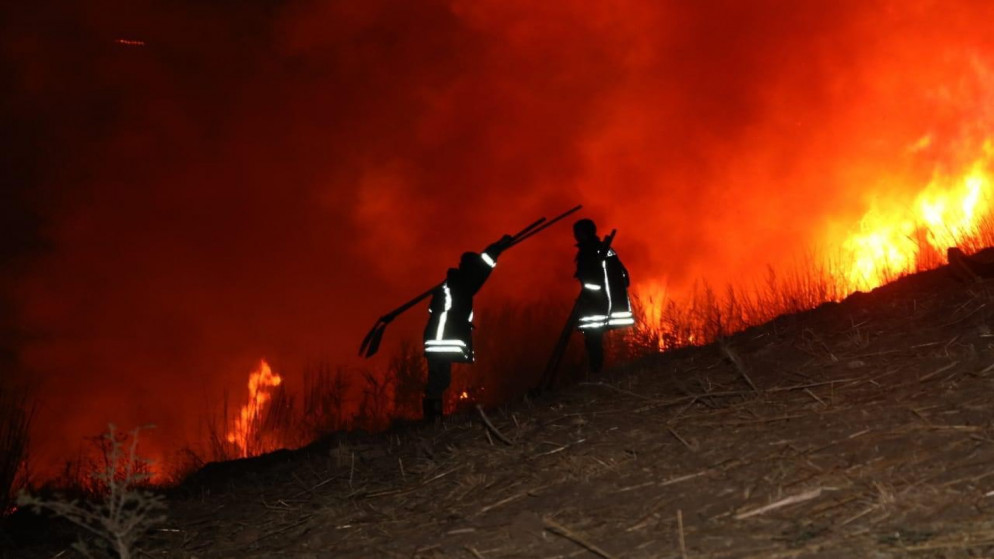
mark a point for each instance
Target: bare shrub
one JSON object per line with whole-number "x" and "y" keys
{"x": 513, "y": 346}
{"x": 184, "y": 463}
{"x": 124, "y": 509}
{"x": 277, "y": 425}
{"x": 409, "y": 372}
{"x": 219, "y": 448}
{"x": 374, "y": 408}
{"x": 324, "y": 396}
{"x": 15, "y": 420}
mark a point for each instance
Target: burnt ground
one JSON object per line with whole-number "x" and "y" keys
{"x": 858, "y": 429}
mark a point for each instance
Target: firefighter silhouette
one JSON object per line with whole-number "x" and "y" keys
{"x": 448, "y": 337}
{"x": 603, "y": 303}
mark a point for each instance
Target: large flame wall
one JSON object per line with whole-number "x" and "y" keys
{"x": 196, "y": 185}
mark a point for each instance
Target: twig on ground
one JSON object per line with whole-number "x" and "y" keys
{"x": 813, "y": 395}
{"x": 985, "y": 370}
{"x": 504, "y": 501}
{"x": 692, "y": 398}
{"x": 683, "y": 542}
{"x": 560, "y": 530}
{"x": 352, "y": 469}
{"x": 807, "y": 495}
{"x": 733, "y": 356}
{"x": 441, "y": 475}
{"x": 685, "y": 478}
{"x": 964, "y": 317}
{"x": 650, "y": 512}
{"x": 560, "y": 448}
{"x": 859, "y": 515}
{"x": 493, "y": 429}
{"x": 691, "y": 447}
{"x": 939, "y": 371}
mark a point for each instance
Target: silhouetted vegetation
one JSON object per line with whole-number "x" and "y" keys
{"x": 15, "y": 421}
{"x": 119, "y": 509}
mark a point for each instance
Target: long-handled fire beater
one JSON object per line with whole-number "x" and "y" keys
{"x": 371, "y": 343}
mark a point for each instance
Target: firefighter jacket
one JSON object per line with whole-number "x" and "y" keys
{"x": 449, "y": 333}
{"x": 603, "y": 303}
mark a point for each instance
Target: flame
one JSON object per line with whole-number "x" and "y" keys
{"x": 946, "y": 212}
{"x": 654, "y": 294}
{"x": 261, "y": 383}
{"x": 130, "y": 42}
{"x": 896, "y": 235}
{"x": 465, "y": 398}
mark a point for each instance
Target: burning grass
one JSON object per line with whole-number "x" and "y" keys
{"x": 897, "y": 235}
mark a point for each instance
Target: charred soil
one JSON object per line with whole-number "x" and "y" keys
{"x": 857, "y": 429}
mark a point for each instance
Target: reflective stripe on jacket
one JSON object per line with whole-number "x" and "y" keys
{"x": 604, "y": 303}
{"x": 449, "y": 333}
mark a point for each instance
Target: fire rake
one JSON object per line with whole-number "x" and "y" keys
{"x": 371, "y": 343}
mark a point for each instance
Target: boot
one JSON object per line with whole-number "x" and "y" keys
{"x": 432, "y": 408}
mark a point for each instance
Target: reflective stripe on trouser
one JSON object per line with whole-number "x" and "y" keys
{"x": 621, "y": 318}
{"x": 452, "y": 347}
{"x": 592, "y": 322}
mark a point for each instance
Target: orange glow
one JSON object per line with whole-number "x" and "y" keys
{"x": 464, "y": 395}
{"x": 261, "y": 383}
{"x": 262, "y": 209}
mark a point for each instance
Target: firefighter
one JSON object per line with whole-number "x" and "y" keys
{"x": 448, "y": 337}
{"x": 603, "y": 303}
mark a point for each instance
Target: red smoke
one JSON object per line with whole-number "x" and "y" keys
{"x": 261, "y": 179}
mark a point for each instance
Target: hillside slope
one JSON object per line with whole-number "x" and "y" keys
{"x": 857, "y": 429}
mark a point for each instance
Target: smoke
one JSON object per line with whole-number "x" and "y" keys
{"x": 262, "y": 179}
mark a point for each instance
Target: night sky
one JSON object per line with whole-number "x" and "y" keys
{"x": 191, "y": 186}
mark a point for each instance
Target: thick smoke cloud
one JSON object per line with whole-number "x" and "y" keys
{"x": 264, "y": 179}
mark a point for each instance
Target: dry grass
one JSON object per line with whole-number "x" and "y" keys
{"x": 15, "y": 421}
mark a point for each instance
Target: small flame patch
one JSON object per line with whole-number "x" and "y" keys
{"x": 261, "y": 384}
